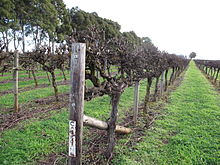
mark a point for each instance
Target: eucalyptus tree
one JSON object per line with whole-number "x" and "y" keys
{"x": 7, "y": 19}
{"x": 192, "y": 55}
{"x": 22, "y": 10}
{"x": 43, "y": 21}
{"x": 38, "y": 19}
{"x": 63, "y": 27}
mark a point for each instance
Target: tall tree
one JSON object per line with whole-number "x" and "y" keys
{"x": 7, "y": 18}
{"x": 192, "y": 55}
{"x": 22, "y": 10}
{"x": 63, "y": 28}
{"x": 43, "y": 21}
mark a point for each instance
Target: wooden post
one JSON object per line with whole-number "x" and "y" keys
{"x": 15, "y": 77}
{"x": 76, "y": 103}
{"x": 162, "y": 84}
{"x": 136, "y": 100}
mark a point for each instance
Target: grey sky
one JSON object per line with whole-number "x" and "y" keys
{"x": 176, "y": 26}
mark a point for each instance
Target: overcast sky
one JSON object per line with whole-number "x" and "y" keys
{"x": 176, "y": 26}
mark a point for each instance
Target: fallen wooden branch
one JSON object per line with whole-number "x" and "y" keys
{"x": 93, "y": 122}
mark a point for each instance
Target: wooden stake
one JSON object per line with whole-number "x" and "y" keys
{"x": 136, "y": 100}
{"x": 15, "y": 77}
{"x": 76, "y": 103}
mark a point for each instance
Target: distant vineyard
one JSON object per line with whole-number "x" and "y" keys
{"x": 211, "y": 68}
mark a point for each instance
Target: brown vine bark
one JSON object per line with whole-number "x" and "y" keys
{"x": 216, "y": 76}
{"x": 29, "y": 74}
{"x": 35, "y": 79}
{"x": 147, "y": 96}
{"x": 48, "y": 77}
{"x": 112, "y": 124}
{"x": 171, "y": 76}
{"x": 54, "y": 84}
{"x": 156, "y": 89}
{"x": 64, "y": 76}
{"x": 166, "y": 83}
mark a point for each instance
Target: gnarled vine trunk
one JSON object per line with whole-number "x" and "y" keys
{"x": 166, "y": 83}
{"x": 147, "y": 96}
{"x": 35, "y": 79}
{"x": 54, "y": 84}
{"x": 64, "y": 76}
{"x": 112, "y": 124}
{"x": 156, "y": 89}
{"x": 216, "y": 76}
{"x": 171, "y": 76}
{"x": 48, "y": 77}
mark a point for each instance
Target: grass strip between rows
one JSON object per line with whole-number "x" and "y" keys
{"x": 23, "y": 74}
{"x": 188, "y": 132}
{"x": 28, "y": 83}
{"x": 7, "y": 101}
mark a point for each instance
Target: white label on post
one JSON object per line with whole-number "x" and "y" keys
{"x": 72, "y": 138}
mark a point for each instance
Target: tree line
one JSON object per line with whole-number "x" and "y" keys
{"x": 27, "y": 23}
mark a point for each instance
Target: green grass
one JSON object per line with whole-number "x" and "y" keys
{"x": 8, "y": 75}
{"x": 30, "y": 140}
{"x": 33, "y": 139}
{"x": 188, "y": 131}
{"x": 28, "y": 83}
{"x": 21, "y": 74}
{"x": 7, "y": 101}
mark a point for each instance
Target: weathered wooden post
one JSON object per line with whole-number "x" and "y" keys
{"x": 136, "y": 100}
{"x": 15, "y": 77}
{"x": 76, "y": 103}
